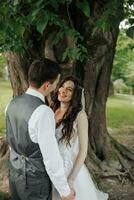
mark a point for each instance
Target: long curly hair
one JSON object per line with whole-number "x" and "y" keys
{"x": 75, "y": 106}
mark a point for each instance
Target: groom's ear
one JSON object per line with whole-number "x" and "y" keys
{"x": 46, "y": 85}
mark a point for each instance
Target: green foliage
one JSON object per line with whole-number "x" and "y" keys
{"x": 129, "y": 11}
{"x": 130, "y": 2}
{"x": 109, "y": 18}
{"x": 78, "y": 53}
{"x": 124, "y": 59}
{"x": 19, "y": 19}
{"x": 130, "y": 32}
{"x": 84, "y": 7}
{"x": 131, "y": 21}
{"x": 24, "y": 23}
{"x": 4, "y": 196}
{"x": 5, "y": 96}
{"x": 2, "y": 65}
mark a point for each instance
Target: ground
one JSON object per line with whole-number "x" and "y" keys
{"x": 118, "y": 189}
{"x": 121, "y": 188}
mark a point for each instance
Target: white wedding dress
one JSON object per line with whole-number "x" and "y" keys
{"x": 83, "y": 185}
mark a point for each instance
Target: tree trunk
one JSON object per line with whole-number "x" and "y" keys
{"x": 97, "y": 75}
{"x": 17, "y": 72}
{"x": 132, "y": 90}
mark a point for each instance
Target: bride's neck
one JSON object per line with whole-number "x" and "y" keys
{"x": 64, "y": 106}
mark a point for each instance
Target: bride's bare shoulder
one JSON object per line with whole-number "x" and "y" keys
{"x": 81, "y": 115}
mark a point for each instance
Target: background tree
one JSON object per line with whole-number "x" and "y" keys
{"x": 124, "y": 59}
{"x": 81, "y": 36}
{"x": 130, "y": 76}
{"x": 2, "y": 65}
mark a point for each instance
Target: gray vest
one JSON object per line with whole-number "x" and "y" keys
{"x": 25, "y": 155}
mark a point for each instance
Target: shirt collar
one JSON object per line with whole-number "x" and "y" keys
{"x": 35, "y": 93}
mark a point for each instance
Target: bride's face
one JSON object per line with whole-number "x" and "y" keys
{"x": 66, "y": 92}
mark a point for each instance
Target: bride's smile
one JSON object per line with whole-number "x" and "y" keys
{"x": 66, "y": 91}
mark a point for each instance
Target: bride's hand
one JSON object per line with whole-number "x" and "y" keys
{"x": 71, "y": 196}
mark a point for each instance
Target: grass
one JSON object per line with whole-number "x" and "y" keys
{"x": 120, "y": 111}
{"x": 4, "y": 196}
{"x": 5, "y": 96}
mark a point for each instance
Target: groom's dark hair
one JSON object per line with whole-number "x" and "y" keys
{"x": 43, "y": 70}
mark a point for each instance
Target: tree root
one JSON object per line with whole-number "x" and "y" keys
{"x": 117, "y": 174}
{"x": 127, "y": 153}
{"x": 120, "y": 165}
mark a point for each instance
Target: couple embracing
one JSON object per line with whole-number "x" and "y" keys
{"x": 48, "y": 146}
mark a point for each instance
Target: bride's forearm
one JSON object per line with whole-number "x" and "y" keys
{"x": 77, "y": 165}
{"x": 82, "y": 125}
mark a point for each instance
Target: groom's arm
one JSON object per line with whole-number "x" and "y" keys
{"x": 42, "y": 131}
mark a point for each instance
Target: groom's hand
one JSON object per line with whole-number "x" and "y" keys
{"x": 71, "y": 196}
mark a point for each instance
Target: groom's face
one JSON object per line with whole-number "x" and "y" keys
{"x": 52, "y": 86}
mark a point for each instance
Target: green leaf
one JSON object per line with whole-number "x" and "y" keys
{"x": 32, "y": 16}
{"x": 15, "y": 2}
{"x": 54, "y": 4}
{"x": 131, "y": 21}
{"x": 21, "y": 30}
{"x": 41, "y": 25}
{"x": 59, "y": 36}
{"x": 77, "y": 53}
{"x": 84, "y": 7}
{"x": 130, "y": 32}
{"x": 4, "y": 10}
{"x": 131, "y": 2}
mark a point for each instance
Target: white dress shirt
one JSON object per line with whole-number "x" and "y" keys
{"x": 41, "y": 126}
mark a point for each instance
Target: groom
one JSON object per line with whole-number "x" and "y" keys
{"x": 35, "y": 160}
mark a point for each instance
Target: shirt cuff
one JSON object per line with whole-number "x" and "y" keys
{"x": 64, "y": 192}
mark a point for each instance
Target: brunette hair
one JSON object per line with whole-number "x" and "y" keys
{"x": 74, "y": 108}
{"x": 42, "y": 70}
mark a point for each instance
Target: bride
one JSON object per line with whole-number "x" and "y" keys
{"x": 72, "y": 137}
